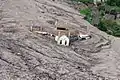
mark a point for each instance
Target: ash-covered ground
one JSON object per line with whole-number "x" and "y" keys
{"x": 25, "y": 55}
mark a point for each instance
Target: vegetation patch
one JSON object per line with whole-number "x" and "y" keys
{"x": 109, "y": 26}
{"x": 113, "y": 3}
{"x": 104, "y": 16}
{"x": 87, "y": 13}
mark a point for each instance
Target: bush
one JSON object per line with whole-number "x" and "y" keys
{"x": 117, "y": 34}
{"x": 109, "y": 26}
{"x": 113, "y": 2}
{"x": 102, "y": 26}
{"x": 87, "y": 13}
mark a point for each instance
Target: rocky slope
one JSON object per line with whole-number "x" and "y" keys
{"x": 25, "y": 55}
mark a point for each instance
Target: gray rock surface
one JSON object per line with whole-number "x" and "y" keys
{"x": 25, "y": 55}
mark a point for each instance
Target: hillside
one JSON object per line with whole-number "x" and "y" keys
{"x": 25, "y": 55}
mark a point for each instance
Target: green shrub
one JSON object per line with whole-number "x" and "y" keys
{"x": 87, "y": 13}
{"x": 109, "y": 26}
{"x": 113, "y": 2}
{"x": 102, "y": 26}
{"x": 117, "y": 34}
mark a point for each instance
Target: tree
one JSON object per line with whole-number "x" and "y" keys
{"x": 113, "y": 2}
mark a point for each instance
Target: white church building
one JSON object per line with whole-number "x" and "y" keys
{"x": 62, "y": 40}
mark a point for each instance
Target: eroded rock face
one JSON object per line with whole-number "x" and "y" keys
{"x": 28, "y": 56}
